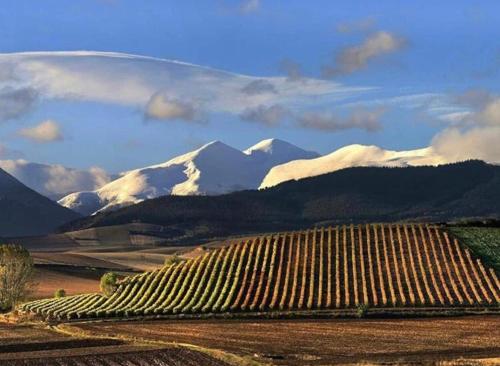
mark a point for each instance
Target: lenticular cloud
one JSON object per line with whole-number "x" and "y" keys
{"x": 133, "y": 80}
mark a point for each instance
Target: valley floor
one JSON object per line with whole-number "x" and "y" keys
{"x": 325, "y": 342}
{"x": 39, "y": 346}
{"x": 471, "y": 340}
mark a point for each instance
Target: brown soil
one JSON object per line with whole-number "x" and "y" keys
{"x": 325, "y": 342}
{"x": 32, "y": 345}
{"x": 75, "y": 259}
{"x": 119, "y": 357}
{"x": 73, "y": 280}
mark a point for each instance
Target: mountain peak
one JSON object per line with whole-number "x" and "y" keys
{"x": 274, "y": 146}
{"x": 214, "y": 168}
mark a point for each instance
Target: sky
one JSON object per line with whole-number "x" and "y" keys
{"x": 121, "y": 84}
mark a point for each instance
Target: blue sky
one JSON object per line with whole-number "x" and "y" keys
{"x": 404, "y": 69}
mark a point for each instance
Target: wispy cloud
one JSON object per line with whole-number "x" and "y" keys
{"x": 368, "y": 120}
{"x": 292, "y": 69}
{"x": 357, "y": 57}
{"x": 361, "y": 25}
{"x": 163, "y": 88}
{"x": 249, "y": 6}
{"x": 46, "y": 131}
{"x": 259, "y": 86}
{"x": 8, "y": 153}
{"x": 15, "y": 102}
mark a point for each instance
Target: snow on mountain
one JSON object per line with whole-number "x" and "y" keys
{"x": 215, "y": 168}
{"x": 54, "y": 181}
{"x": 350, "y": 156}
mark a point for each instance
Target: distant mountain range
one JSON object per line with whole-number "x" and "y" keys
{"x": 348, "y": 157}
{"x": 215, "y": 168}
{"x": 26, "y": 212}
{"x": 361, "y": 194}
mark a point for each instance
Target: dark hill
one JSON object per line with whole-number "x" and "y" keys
{"x": 449, "y": 192}
{"x": 26, "y": 212}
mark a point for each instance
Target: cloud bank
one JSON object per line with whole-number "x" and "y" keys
{"x": 476, "y": 134}
{"x": 55, "y": 181}
{"x": 162, "y": 89}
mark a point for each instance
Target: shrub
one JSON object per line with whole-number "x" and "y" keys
{"x": 109, "y": 283}
{"x": 361, "y": 310}
{"x": 174, "y": 259}
{"x": 60, "y": 293}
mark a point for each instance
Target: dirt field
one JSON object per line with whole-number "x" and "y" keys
{"x": 325, "y": 342}
{"x": 30, "y": 345}
{"x": 74, "y": 281}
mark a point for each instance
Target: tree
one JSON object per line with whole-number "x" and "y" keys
{"x": 174, "y": 259}
{"x": 60, "y": 293}
{"x": 108, "y": 283}
{"x": 16, "y": 275}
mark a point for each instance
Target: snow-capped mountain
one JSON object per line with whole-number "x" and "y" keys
{"x": 54, "y": 181}
{"x": 215, "y": 168}
{"x": 350, "y": 156}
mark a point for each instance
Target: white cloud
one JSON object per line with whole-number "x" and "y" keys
{"x": 490, "y": 114}
{"x": 55, "y": 181}
{"x": 477, "y": 134}
{"x": 357, "y": 57}
{"x": 46, "y": 131}
{"x": 133, "y": 80}
{"x": 161, "y": 107}
{"x": 476, "y": 143}
{"x": 368, "y": 120}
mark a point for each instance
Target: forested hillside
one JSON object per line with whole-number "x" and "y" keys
{"x": 442, "y": 193}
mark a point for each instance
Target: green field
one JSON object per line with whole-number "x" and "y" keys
{"x": 484, "y": 242}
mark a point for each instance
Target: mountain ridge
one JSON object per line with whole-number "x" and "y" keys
{"x": 359, "y": 194}
{"x": 26, "y": 212}
{"x": 214, "y": 168}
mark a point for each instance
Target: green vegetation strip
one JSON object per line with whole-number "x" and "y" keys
{"x": 484, "y": 242}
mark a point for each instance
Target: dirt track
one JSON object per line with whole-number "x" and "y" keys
{"x": 320, "y": 342}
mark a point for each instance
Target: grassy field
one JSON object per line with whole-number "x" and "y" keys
{"x": 483, "y": 242}
{"x": 342, "y": 268}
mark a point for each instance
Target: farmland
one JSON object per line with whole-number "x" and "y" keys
{"x": 483, "y": 241}
{"x": 326, "y": 341}
{"x": 32, "y": 345}
{"x": 344, "y": 268}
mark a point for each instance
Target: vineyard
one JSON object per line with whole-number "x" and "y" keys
{"x": 344, "y": 267}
